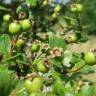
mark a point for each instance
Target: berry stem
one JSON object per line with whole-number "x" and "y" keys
{"x": 14, "y": 42}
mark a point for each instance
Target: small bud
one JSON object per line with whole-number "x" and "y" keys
{"x": 22, "y": 15}
{"x": 47, "y": 64}
{"x": 45, "y": 48}
{"x": 35, "y": 46}
{"x": 57, "y": 53}
{"x": 72, "y": 38}
{"x": 37, "y": 42}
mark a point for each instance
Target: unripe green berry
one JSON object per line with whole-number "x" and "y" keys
{"x": 54, "y": 16}
{"x": 34, "y": 85}
{"x": 57, "y": 8}
{"x": 19, "y": 43}
{"x": 7, "y": 18}
{"x": 45, "y": 3}
{"x": 35, "y": 47}
{"x": 41, "y": 67}
{"x": 25, "y": 24}
{"x": 14, "y": 28}
{"x": 90, "y": 58}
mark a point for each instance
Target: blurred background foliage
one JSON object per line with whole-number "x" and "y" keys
{"x": 89, "y": 14}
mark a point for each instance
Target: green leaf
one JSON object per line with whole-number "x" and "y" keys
{"x": 36, "y": 61}
{"x": 87, "y": 69}
{"x": 88, "y": 90}
{"x": 62, "y": 22}
{"x": 70, "y": 88}
{"x": 67, "y": 58}
{"x": 3, "y": 8}
{"x": 70, "y": 20}
{"x": 78, "y": 94}
{"x": 76, "y": 58}
{"x": 20, "y": 89}
{"x": 33, "y": 2}
{"x": 57, "y": 42}
{"x": 11, "y": 58}
{"x": 22, "y": 59}
{"x": 48, "y": 94}
{"x": 58, "y": 87}
{"x": 79, "y": 64}
{"x": 55, "y": 75}
{"x": 6, "y": 82}
{"x": 5, "y": 44}
{"x": 56, "y": 64}
{"x": 22, "y": 8}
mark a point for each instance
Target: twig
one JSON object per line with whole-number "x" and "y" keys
{"x": 14, "y": 42}
{"x": 76, "y": 69}
{"x": 39, "y": 55}
{"x": 11, "y": 58}
{"x": 79, "y": 22}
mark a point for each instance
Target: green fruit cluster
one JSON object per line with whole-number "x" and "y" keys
{"x": 33, "y": 86}
{"x": 16, "y": 27}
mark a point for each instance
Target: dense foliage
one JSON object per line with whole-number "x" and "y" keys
{"x": 34, "y": 55}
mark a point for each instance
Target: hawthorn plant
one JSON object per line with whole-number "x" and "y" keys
{"x": 34, "y": 58}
